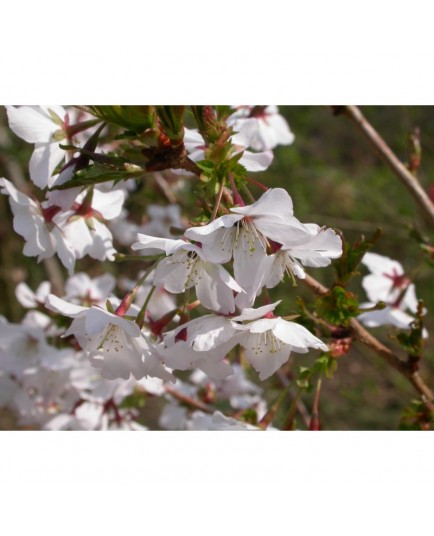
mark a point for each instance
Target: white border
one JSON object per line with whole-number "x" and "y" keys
{"x": 333, "y": 52}
{"x": 216, "y": 483}
{"x": 310, "y": 52}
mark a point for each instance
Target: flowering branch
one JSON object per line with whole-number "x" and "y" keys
{"x": 362, "y": 335}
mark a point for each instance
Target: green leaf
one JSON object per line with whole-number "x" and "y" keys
{"x": 134, "y": 118}
{"x": 97, "y": 174}
{"x": 172, "y": 120}
{"x": 347, "y": 265}
{"x": 206, "y": 165}
{"x": 337, "y": 307}
{"x": 416, "y": 417}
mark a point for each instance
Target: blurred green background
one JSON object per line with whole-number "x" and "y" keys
{"x": 337, "y": 180}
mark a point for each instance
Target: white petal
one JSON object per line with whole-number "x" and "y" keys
{"x": 44, "y": 160}
{"x": 253, "y": 314}
{"x": 377, "y": 287}
{"x": 63, "y": 307}
{"x": 256, "y": 161}
{"x": 274, "y": 202}
{"x": 178, "y": 272}
{"x": 109, "y": 204}
{"x": 249, "y": 254}
{"x": 152, "y": 244}
{"x": 388, "y": 316}
{"x": 318, "y": 250}
{"x": 25, "y": 295}
{"x": 97, "y": 319}
{"x": 297, "y": 335}
{"x": 216, "y": 370}
{"x": 379, "y": 264}
{"x": 265, "y": 359}
{"x": 410, "y": 299}
{"x": 212, "y": 292}
{"x": 31, "y": 123}
{"x": 226, "y": 221}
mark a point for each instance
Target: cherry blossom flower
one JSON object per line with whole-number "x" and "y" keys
{"x": 315, "y": 250}
{"x": 96, "y": 416}
{"x": 241, "y": 392}
{"x": 123, "y": 230}
{"x": 23, "y": 348}
{"x": 245, "y": 234}
{"x": 387, "y": 282}
{"x": 187, "y": 265}
{"x": 247, "y": 229}
{"x": 84, "y": 225}
{"x": 265, "y": 127}
{"x": 45, "y": 126}
{"x": 202, "y": 343}
{"x": 86, "y": 291}
{"x": 161, "y": 220}
{"x": 39, "y": 225}
{"x": 30, "y": 299}
{"x": 113, "y": 344}
{"x": 269, "y": 341}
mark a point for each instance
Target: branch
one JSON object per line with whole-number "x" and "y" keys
{"x": 185, "y": 399}
{"x": 362, "y": 335}
{"x": 403, "y": 174}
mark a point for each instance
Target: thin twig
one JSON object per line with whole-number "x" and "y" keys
{"x": 164, "y": 187}
{"x": 218, "y": 200}
{"x": 404, "y": 175}
{"x": 363, "y": 336}
{"x": 301, "y": 408}
{"x": 184, "y": 399}
{"x": 314, "y": 422}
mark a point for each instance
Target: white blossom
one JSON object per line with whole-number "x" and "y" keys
{"x": 388, "y": 282}
{"x": 185, "y": 266}
{"x": 113, "y": 344}
{"x": 263, "y": 125}
{"x": 40, "y": 227}
{"x": 45, "y": 126}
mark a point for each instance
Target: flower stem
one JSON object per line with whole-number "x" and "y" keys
{"x": 314, "y": 421}
{"x": 218, "y": 200}
{"x": 141, "y": 316}
{"x": 258, "y": 184}
{"x": 289, "y": 422}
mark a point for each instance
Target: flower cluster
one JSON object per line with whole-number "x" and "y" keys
{"x": 200, "y": 299}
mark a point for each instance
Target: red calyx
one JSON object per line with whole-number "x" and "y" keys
{"x": 181, "y": 335}
{"x": 49, "y": 212}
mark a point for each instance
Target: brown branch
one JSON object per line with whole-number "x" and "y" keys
{"x": 363, "y": 336}
{"x": 184, "y": 399}
{"x": 314, "y": 422}
{"x": 301, "y": 408}
{"x": 164, "y": 187}
{"x": 403, "y": 174}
